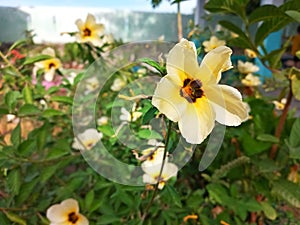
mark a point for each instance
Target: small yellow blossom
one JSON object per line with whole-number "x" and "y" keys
{"x": 251, "y": 81}
{"x": 247, "y": 67}
{"x": 280, "y": 105}
{"x": 118, "y": 84}
{"x": 91, "y": 84}
{"x": 294, "y": 175}
{"x": 129, "y": 117}
{"x": 103, "y": 120}
{"x": 190, "y": 94}
{"x": 66, "y": 213}
{"x": 151, "y": 175}
{"x": 213, "y": 43}
{"x": 49, "y": 65}
{"x": 90, "y": 31}
{"x": 87, "y": 140}
{"x": 250, "y": 53}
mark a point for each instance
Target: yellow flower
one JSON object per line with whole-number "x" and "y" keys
{"x": 152, "y": 173}
{"x": 191, "y": 95}
{"x": 49, "y": 65}
{"x": 250, "y": 80}
{"x": 247, "y": 67}
{"x": 118, "y": 84}
{"x": 280, "y": 105}
{"x": 250, "y": 53}
{"x": 66, "y": 213}
{"x": 90, "y": 31}
{"x": 87, "y": 140}
{"x": 213, "y": 43}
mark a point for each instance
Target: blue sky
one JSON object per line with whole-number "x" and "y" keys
{"x": 140, "y": 5}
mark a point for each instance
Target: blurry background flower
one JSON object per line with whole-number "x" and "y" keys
{"x": 213, "y": 43}
{"x": 151, "y": 175}
{"x": 118, "y": 84}
{"x": 66, "y": 213}
{"x": 87, "y": 140}
{"x": 247, "y": 67}
{"x": 49, "y": 65}
{"x": 129, "y": 117}
{"x": 90, "y": 31}
{"x": 251, "y": 81}
{"x": 280, "y": 105}
{"x": 250, "y": 53}
{"x": 91, "y": 84}
{"x": 102, "y": 120}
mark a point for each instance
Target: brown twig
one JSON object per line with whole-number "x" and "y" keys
{"x": 281, "y": 123}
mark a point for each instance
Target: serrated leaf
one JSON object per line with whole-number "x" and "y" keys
{"x": 63, "y": 99}
{"x": 268, "y": 210}
{"x": 27, "y": 95}
{"x": 14, "y": 181}
{"x": 267, "y": 138}
{"x": 288, "y": 191}
{"x": 51, "y": 113}
{"x": 28, "y": 109}
{"x": 162, "y": 70}
{"x": 36, "y": 59}
{"x": 15, "y": 218}
{"x": 265, "y": 12}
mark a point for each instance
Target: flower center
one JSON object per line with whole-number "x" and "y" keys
{"x": 51, "y": 65}
{"x": 191, "y": 90}
{"x": 72, "y": 217}
{"x": 87, "y": 32}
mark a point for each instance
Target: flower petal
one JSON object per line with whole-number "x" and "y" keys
{"x": 98, "y": 29}
{"x": 90, "y": 21}
{"x": 197, "y": 121}
{"x": 227, "y": 103}
{"x": 215, "y": 62}
{"x": 182, "y": 61}
{"x": 82, "y": 220}
{"x": 168, "y": 100}
{"x": 80, "y": 24}
{"x": 59, "y": 212}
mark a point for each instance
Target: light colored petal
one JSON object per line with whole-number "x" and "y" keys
{"x": 90, "y": 21}
{"x": 80, "y": 24}
{"x": 148, "y": 179}
{"x": 168, "y": 100}
{"x": 48, "y": 76}
{"x": 170, "y": 170}
{"x": 182, "y": 61}
{"x": 197, "y": 121}
{"x": 49, "y": 51}
{"x": 215, "y": 62}
{"x": 98, "y": 29}
{"x": 227, "y": 103}
{"x": 58, "y": 213}
{"x": 82, "y": 220}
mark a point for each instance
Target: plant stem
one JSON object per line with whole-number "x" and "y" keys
{"x": 281, "y": 123}
{"x": 10, "y": 65}
{"x": 160, "y": 173}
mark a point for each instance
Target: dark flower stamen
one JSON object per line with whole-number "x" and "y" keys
{"x": 72, "y": 217}
{"x": 191, "y": 90}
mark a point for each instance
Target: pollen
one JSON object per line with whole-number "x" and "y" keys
{"x": 191, "y": 90}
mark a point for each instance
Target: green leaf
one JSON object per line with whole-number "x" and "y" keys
{"x": 173, "y": 194}
{"x": 288, "y": 191}
{"x": 57, "y": 153}
{"x": 294, "y": 139}
{"x": 27, "y": 95}
{"x": 27, "y": 147}
{"x": 11, "y": 99}
{"x": 63, "y": 99}
{"x": 27, "y": 189}
{"x": 149, "y": 134}
{"x": 14, "y": 181}
{"x": 296, "y": 86}
{"x": 28, "y": 109}
{"x": 293, "y": 14}
{"x": 15, "y": 218}
{"x": 3, "y": 111}
{"x": 267, "y": 138}
{"x": 265, "y": 12}
{"x": 252, "y": 146}
{"x": 149, "y": 115}
{"x": 218, "y": 193}
{"x": 51, "y": 113}
{"x": 269, "y": 26}
{"x": 106, "y": 130}
{"x": 18, "y": 43}
{"x": 162, "y": 70}
{"x": 36, "y": 59}
{"x": 234, "y": 28}
{"x": 108, "y": 219}
{"x": 268, "y": 210}
{"x": 16, "y": 135}
{"x": 89, "y": 198}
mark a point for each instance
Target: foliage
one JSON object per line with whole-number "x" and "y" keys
{"x": 253, "y": 180}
